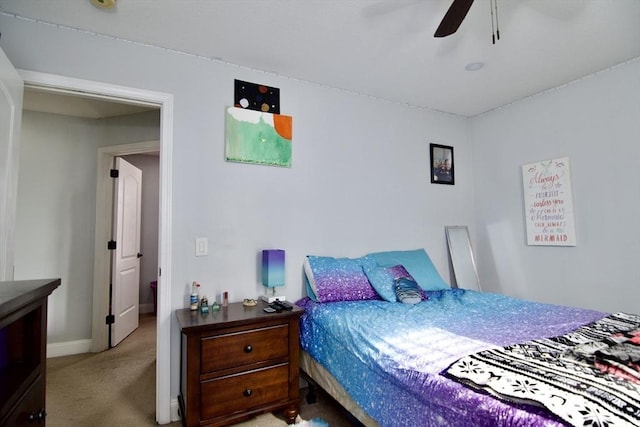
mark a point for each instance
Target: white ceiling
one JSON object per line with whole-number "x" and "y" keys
{"x": 380, "y": 48}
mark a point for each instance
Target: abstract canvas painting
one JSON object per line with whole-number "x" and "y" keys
{"x": 257, "y": 137}
{"x": 256, "y": 97}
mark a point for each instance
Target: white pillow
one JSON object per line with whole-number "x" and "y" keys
{"x": 309, "y": 272}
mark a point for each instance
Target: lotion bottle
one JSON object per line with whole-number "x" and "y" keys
{"x": 194, "y": 296}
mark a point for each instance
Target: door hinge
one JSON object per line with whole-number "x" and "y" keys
{"x": 110, "y": 319}
{"x": 111, "y": 245}
{"x": 114, "y": 173}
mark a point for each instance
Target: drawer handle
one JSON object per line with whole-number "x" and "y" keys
{"x": 248, "y": 349}
{"x": 37, "y": 417}
{"x": 248, "y": 392}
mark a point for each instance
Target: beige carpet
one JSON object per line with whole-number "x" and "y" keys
{"x": 117, "y": 388}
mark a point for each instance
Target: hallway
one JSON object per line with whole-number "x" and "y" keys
{"x": 112, "y": 388}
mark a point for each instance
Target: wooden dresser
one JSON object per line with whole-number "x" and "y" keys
{"x": 238, "y": 362}
{"x": 23, "y": 346}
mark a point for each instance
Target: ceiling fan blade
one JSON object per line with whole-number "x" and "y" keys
{"x": 453, "y": 18}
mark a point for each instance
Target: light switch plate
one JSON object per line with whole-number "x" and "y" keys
{"x": 202, "y": 246}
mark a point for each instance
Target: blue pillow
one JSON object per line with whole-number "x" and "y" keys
{"x": 339, "y": 279}
{"x": 417, "y": 263}
{"x": 383, "y": 278}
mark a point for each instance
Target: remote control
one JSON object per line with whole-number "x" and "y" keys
{"x": 275, "y": 307}
{"x": 281, "y": 305}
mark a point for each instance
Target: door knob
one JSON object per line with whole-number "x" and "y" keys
{"x": 139, "y": 255}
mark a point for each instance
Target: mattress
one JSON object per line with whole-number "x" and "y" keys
{"x": 389, "y": 357}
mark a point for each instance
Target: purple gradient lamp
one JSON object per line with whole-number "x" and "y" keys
{"x": 273, "y": 273}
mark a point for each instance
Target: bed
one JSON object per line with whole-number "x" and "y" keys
{"x": 395, "y": 364}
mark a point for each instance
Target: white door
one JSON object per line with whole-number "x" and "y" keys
{"x": 11, "y": 86}
{"x": 125, "y": 274}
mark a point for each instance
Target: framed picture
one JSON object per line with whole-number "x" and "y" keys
{"x": 442, "y": 166}
{"x": 548, "y": 203}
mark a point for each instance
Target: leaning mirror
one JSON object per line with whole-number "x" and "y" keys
{"x": 461, "y": 256}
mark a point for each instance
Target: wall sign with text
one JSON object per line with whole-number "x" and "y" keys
{"x": 548, "y": 203}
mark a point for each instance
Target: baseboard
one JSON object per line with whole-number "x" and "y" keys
{"x": 68, "y": 348}
{"x": 175, "y": 416}
{"x": 145, "y": 308}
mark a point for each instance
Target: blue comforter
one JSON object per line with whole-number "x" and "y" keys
{"x": 389, "y": 356}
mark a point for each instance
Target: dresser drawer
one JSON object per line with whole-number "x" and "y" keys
{"x": 241, "y": 392}
{"x": 243, "y": 348}
{"x": 31, "y": 406}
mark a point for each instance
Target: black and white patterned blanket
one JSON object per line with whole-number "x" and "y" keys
{"x": 588, "y": 377}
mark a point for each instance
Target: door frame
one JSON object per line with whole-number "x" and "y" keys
{"x": 11, "y": 87}
{"x": 164, "y": 101}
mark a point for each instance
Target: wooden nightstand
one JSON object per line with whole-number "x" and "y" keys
{"x": 238, "y": 362}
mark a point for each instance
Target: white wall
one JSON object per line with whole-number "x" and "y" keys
{"x": 55, "y": 214}
{"x": 596, "y": 123}
{"x": 56, "y": 208}
{"x": 359, "y": 180}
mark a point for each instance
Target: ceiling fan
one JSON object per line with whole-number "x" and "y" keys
{"x": 450, "y": 22}
{"x": 456, "y": 14}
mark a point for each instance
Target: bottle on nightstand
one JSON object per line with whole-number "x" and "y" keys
{"x": 204, "y": 305}
{"x": 193, "y": 300}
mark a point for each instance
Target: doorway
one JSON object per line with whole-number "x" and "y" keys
{"x": 145, "y": 157}
{"x": 163, "y": 102}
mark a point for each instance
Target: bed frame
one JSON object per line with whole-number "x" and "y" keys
{"x": 317, "y": 376}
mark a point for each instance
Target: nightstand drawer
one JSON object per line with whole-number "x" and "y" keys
{"x": 227, "y": 395}
{"x": 243, "y": 348}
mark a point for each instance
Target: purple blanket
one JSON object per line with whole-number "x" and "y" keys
{"x": 390, "y": 356}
